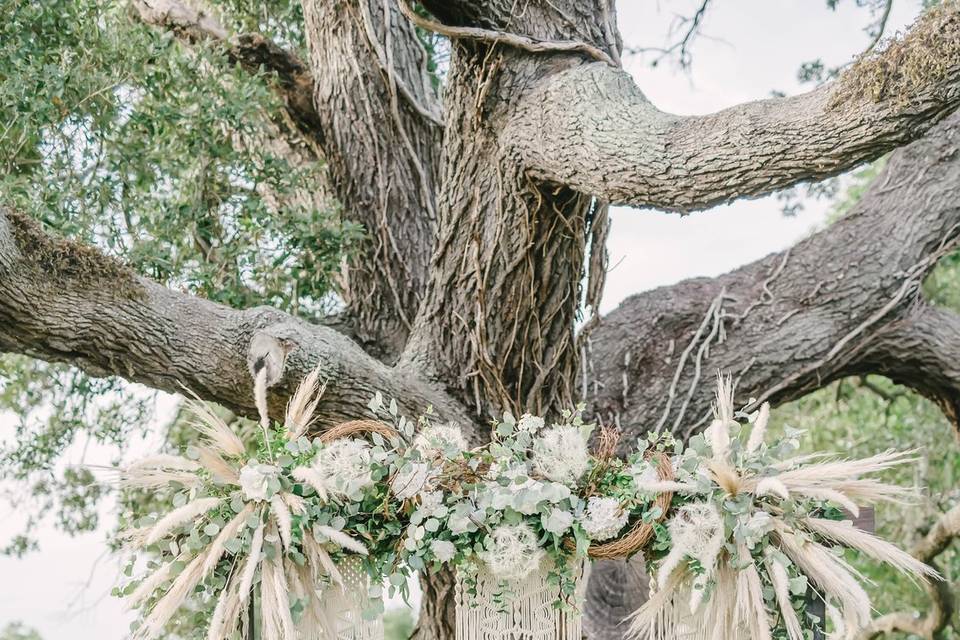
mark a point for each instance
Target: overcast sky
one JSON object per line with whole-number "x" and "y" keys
{"x": 751, "y": 48}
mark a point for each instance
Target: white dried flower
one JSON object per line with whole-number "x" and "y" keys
{"x": 697, "y": 531}
{"x": 513, "y": 552}
{"x": 561, "y": 455}
{"x": 444, "y": 550}
{"x": 343, "y": 467}
{"x": 530, "y": 424}
{"x": 255, "y": 480}
{"x": 410, "y": 480}
{"x": 440, "y": 441}
{"x": 557, "y": 521}
{"x": 604, "y": 518}
{"x": 431, "y": 502}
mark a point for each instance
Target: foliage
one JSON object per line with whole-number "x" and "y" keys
{"x": 17, "y": 631}
{"x": 166, "y": 157}
{"x": 409, "y": 500}
{"x": 864, "y": 417}
{"x": 415, "y": 498}
{"x": 398, "y": 624}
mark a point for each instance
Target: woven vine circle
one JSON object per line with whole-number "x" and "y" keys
{"x": 642, "y": 532}
{"x": 623, "y": 547}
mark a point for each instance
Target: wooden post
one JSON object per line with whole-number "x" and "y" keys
{"x": 866, "y": 521}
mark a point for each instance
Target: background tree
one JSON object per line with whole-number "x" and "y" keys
{"x": 484, "y": 216}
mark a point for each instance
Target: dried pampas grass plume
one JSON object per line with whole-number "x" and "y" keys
{"x": 179, "y": 516}
{"x": 303, "y": 404}
{"x": 721, "y": 595}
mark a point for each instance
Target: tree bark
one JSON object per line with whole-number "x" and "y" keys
{"x": 497, "y": 326}
{"x": 379, "y": 130}
{"x": 591, "y": 128}
{"x": 842, "y": 302}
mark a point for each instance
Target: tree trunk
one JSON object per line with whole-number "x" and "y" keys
{"x": 485, "y": 237}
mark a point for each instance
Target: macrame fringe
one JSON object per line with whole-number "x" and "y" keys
{"x": 526, "y": 611}
{"x": 344, "y": 606}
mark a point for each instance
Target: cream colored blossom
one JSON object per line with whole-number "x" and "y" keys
{"x": 255, "y": 480}
{"x": 440, "y": 441}
{"x": 604, "y": 518}
{"x": 560, "y": 454}
{"x": 513, "y": 553}
{"x": 530, "y": 424}
{"x": 343, "y": 467}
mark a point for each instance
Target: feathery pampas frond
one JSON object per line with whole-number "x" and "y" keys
{"x": 164, "y": 609}
{"x": 321, "y": 560}
{"x": 781, "y": 590}
{"x": 342, "y": 539}
{"x": 313, "y": 479}
{"x": 225, "y": 614}
{"x": 218, "y": 468}
{"x": 759, "y": 432}
{"x": 281, "y": 515}
{"x": 303, "y": 404}
{"x": 156, "y": 478}
{"x": 177, "y": 517}
{"x": 150, "y": 584}
{"x": 880, "y": 550}
{"x": 249, "y": 571}
{"x": 274, "y": 604}
{"x": 215, "y": 430}
{"x": 219, "y": 545}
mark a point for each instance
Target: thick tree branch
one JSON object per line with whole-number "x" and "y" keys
{"x": 921, "y": 351}
{"x": 517, "y": 40}
{"x": 590, "y": 127}
{"x": 937, "y": 617}
{"x": 252, "y": 51}
{"x": 842, "y": 302}
{"x": 64, "y": 302}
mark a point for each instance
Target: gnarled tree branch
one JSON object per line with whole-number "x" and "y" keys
{"x": 842, "y": 302}
{"x": 921, "y": 351}
{"x": 64, "y": 302}
{"x": 591, "y": 128}
{"x": 937, "y": 617}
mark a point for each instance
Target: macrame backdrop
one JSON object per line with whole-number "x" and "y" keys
{"x": 526, "y": 613}
{"x": 345, "y": 606}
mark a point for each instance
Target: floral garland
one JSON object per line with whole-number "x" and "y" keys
{"x": 744, "y": 533}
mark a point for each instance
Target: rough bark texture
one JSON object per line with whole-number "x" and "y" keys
{"x": 62, "y": 302}
{"x": 493, "y": 217}
{"x": 842, "y": 302}
{"x": 591, "y": 128}
{"x": 377, "y": 112}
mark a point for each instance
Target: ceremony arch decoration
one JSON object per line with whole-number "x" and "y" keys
{"x": 737, "y": 532}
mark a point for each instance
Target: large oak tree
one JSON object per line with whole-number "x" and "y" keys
{"x": 485, "y": 206}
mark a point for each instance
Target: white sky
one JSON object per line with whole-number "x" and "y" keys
{"x": 63, "y": 590}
